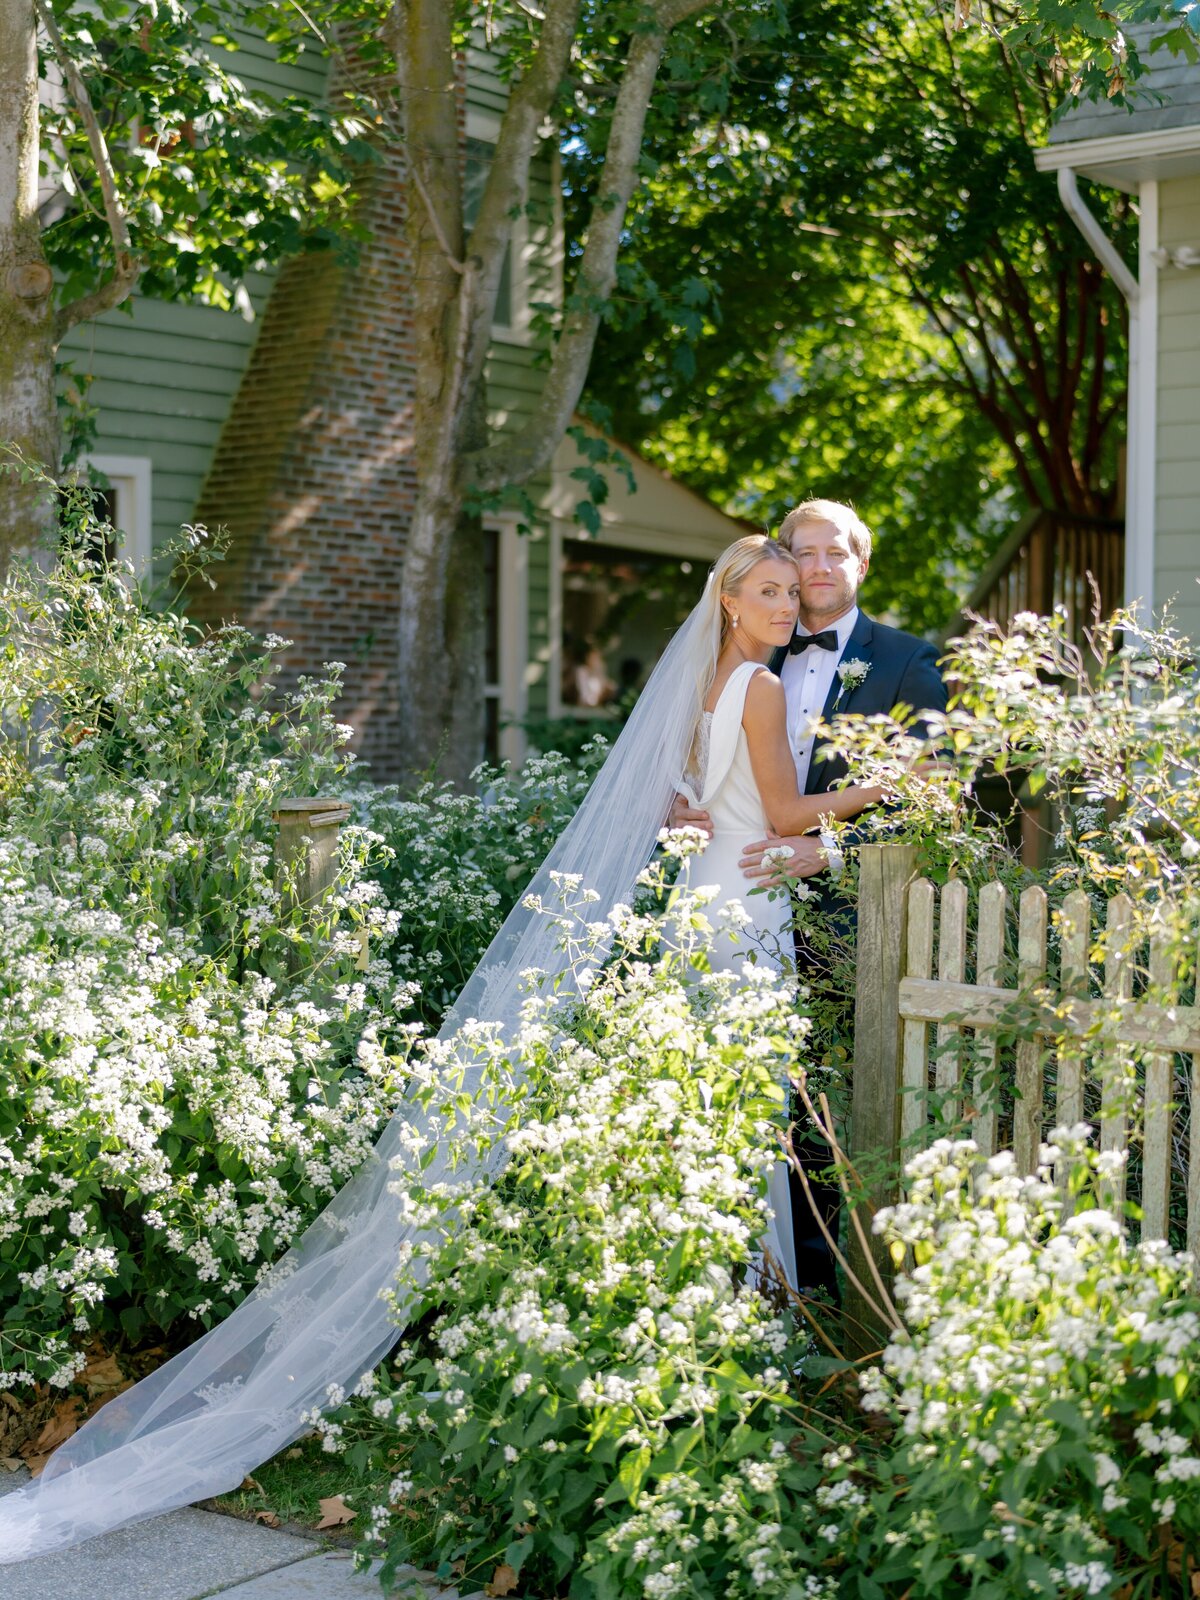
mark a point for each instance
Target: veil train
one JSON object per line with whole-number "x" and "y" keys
{"x": 200, "y": 1423}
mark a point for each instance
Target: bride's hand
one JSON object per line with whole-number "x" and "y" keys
{"x": 683, "y": 815}
{"x": 763, "y": 861}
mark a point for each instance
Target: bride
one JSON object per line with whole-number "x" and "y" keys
{"x": 712, "y": 716}
{"x": 740, "y": 768}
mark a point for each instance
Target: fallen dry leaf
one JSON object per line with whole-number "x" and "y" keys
{"x": 268, "y": 1517}
{"x": 251, "y": 1483}
{"x": 504, "y": 1581}
{"x": 98, "y": 1401}
{"x": 334, "y": 1513}
{"x": 103, "y": 1373}
{"x": 62, "y": 1424}
{"x": 11, "y": 1463}
{"x": 294, "y": 1454}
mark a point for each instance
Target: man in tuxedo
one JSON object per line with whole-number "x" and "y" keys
{"x": 881, "y": 668}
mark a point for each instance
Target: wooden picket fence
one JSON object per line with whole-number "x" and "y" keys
{"x": 914, "y": 957}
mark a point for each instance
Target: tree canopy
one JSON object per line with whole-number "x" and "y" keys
{"x": 850, "y": 278}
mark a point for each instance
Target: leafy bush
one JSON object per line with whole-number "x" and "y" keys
{"x": 135, "y": 738}
{"x": 165, "y": 1129}
{"x": 190, "y": 1068}
{"x": 598, "y": 1399}
{"x": 451, "y": 866}
{"x": 1040, "y": 1398}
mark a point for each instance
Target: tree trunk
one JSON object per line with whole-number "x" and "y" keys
{"x": 27, "y": 401}
{"x": 440, "y": 624}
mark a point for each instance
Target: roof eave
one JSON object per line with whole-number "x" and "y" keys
{"x": 1126, "y": 160}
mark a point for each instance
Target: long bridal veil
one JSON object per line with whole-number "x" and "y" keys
{"x": 199, "y": 1424}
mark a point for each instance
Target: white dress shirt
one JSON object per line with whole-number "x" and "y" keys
{"x": 806, "y": 680}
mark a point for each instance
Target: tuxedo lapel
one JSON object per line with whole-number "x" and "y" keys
{"x": 859, "y": 647}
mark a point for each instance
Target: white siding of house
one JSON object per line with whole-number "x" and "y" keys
{"x": 1177, "y": 530}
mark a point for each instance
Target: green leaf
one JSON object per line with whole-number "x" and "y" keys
{"x": 518, "y": 1551}
{"x": 631, "y": 1473}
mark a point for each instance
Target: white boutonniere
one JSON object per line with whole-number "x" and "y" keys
{"x": 851, "y": 674}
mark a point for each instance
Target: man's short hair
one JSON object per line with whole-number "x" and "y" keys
{"x": 844, "y": 518}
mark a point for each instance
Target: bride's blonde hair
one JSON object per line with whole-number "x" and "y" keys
{"x": 730, "y": 570}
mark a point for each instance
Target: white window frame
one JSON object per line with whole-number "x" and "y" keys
{"x": 511, "y": 691}
{"x": 132, "y": 478}
{"x": 485, "y": 126}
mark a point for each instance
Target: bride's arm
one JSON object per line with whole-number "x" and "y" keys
{"x": 789, "y": 811}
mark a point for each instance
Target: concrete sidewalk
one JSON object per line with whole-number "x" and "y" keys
{"x": 189, "y": 1555}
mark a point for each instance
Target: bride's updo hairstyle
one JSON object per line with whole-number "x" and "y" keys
{"x": 730, "y": 571}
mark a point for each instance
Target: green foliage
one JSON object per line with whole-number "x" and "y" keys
{"x": 215, "y": 178}
{"x": 597, "y": 1396}
{"x": 454, "y": 863}
{"x": 849, "y": 279}
{"x": 192, "y": 1067}
{"x": 1040, "y": 1415}
{"x": 1104, "y": 737}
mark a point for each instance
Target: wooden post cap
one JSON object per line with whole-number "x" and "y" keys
{"x": 316, "y": 813}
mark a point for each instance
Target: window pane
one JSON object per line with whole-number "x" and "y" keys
{"x": 620, "y": 608}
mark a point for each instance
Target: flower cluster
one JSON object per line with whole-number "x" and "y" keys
{"x": 451, "y": 865}
{"x": 601, "y": 1384}
{"x": 1040, "y": 1399}
{"x": 191, "y": 1068}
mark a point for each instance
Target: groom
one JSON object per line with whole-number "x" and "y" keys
{"x": 840, "y": 662}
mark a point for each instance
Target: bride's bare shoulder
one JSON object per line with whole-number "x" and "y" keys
{"x": 764, "y": 695}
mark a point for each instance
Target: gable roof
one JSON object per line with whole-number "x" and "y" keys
{"x": 661, "y": 510}
{"x": 1167, "y": 95}
{"x": 1157, "y": 137}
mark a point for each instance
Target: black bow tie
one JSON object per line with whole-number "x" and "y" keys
{"x": 828, "y": 640}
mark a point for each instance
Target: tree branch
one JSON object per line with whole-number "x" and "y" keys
{"x": 126, "y": 267}
{"x": 515, "y": 460}
{"x": 506, "y": 188}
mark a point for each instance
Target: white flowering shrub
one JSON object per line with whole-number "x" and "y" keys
{"x": 155, "y": 751}
{"x": 454, "y": 864}
{"x": 190, "y": 1070}
{"x": 598, "y": 1395}
{"x": 1103, "y": 745}
{"x": 1040, "y": 1406}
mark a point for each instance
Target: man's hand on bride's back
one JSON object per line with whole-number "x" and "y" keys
{"x": 769, "y": 861}
{"x": 684, "y": 815}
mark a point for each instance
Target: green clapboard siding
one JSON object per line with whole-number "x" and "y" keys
{"x": 165, "y": 372}
{"x": 164, "y": 376}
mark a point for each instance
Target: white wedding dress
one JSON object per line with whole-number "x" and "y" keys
{"x": 722, "y": 783}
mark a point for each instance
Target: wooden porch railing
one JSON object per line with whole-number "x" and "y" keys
{"x": 1052, "y": 560}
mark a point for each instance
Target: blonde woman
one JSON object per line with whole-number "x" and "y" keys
{"x": 741, "y": 771}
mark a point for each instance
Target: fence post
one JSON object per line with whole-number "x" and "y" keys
{"x": 885, "y": 871}
{"x": 306, "y": 849}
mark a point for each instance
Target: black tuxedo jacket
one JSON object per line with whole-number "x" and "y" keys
{"x": 904, "y": 671}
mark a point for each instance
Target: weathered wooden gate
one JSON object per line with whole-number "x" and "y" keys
{"x": 916, "y": 953}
